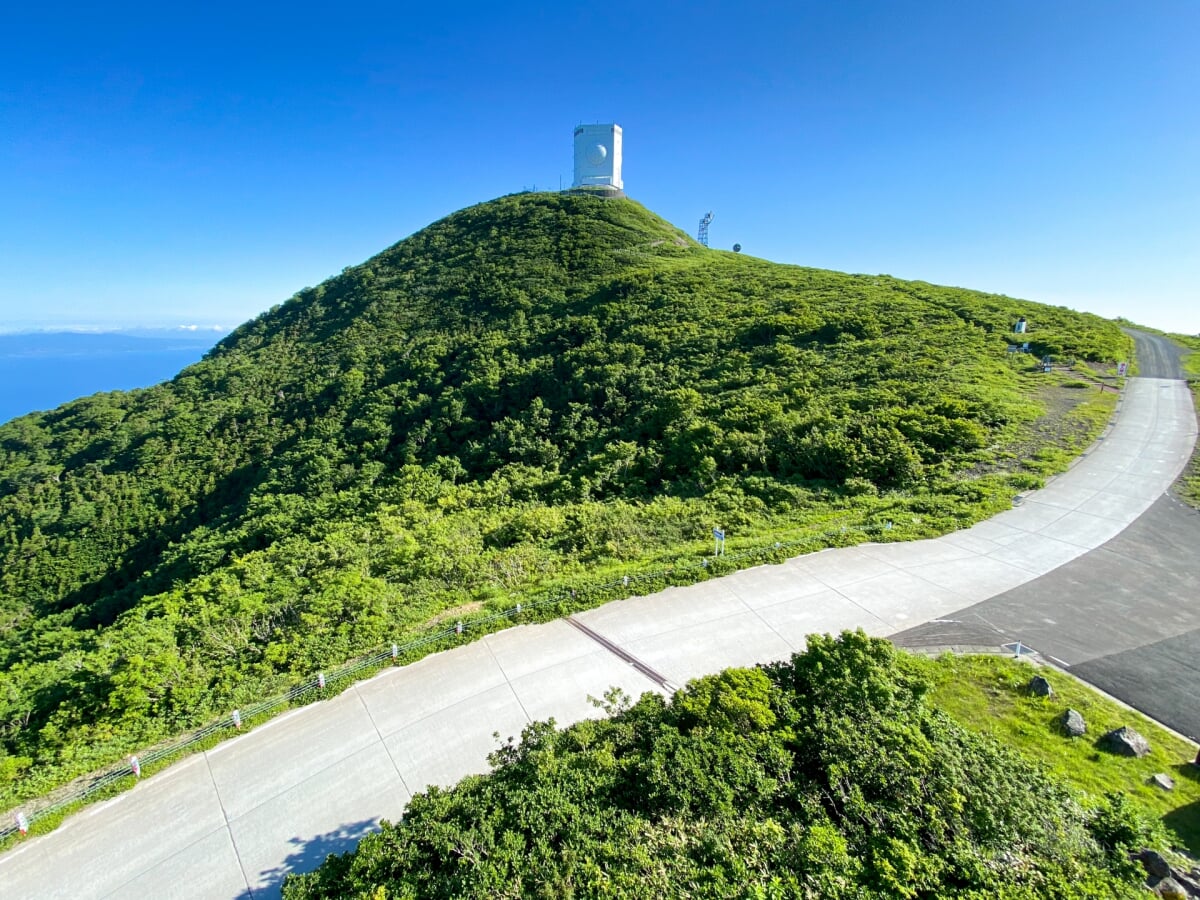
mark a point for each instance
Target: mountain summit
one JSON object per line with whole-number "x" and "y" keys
{"x": 535, "y": 390}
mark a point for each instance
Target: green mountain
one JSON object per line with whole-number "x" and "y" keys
{"x": 528, "y": 392}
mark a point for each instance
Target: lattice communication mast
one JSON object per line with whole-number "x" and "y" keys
{"x": 702, "y": 234}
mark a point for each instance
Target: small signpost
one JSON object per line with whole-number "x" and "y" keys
{"x": 135, "y": 766}
{"x": 718, "y": 542}
{"x": 321, "y": 680}
{"x": 22, "y": 823}
{"x": 1016, "y": 647}
{"x": 237, "y": 718}
{"x": 1122, "y": 369}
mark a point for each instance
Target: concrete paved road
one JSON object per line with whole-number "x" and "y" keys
{"x": 1124, "y": 617}
{"x": 234, "y": 821}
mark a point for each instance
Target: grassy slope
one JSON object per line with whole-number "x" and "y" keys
{"x": 537, "y": 391}
{"x": 1188, "y": 486}
{"x": 1076, "y": 411}
{"x": 987, "y": 695}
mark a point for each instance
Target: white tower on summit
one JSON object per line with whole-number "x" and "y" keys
{"x": 598, "y": 158}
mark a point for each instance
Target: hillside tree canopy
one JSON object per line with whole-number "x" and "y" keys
{"x": 526, "y": 393}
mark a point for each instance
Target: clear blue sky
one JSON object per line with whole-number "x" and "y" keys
{"x": 197, "y": 163}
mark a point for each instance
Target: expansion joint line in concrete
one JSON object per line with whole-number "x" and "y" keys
{"x": 508, "y": 681}
{"x": 382, "y": 742}
{"x": 229, "y": 831}
{"x": 758, "y": 615}
{"x": 620, "y": 653}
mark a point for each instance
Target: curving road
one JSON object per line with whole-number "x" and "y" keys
{"x": 1157, "y": 356}
{"x": 233, "y": 821}
{"x": 1124, "y": 617}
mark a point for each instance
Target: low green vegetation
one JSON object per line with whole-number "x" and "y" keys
{"x": 1075, "y": 412}
{"x": 1191, "y": 362}
{"x": 988, "y": 695}
{"x": 1188, "y": 486}
{"x": 829, "y": 776}
{"x": 539, "y": 391}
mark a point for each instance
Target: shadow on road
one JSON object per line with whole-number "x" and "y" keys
{"x": 308, "y": 853}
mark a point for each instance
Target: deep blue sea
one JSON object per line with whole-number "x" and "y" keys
{"x": 43, "y": 370}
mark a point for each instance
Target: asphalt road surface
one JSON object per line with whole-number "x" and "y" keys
{"x": 1157, "y": 357}
{"x": 1124, "y": 617}
{"x": 235, "y": 820}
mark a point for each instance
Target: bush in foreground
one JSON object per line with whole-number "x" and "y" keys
{"x": 823, "y": 777}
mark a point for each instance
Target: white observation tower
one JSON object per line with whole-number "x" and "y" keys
{"x": 598, "y": 160}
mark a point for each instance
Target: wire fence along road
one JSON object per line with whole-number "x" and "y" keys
{"x": 238, "y": 817}
{"x": 560, "y": 603}
{"x": 554, "y": 604}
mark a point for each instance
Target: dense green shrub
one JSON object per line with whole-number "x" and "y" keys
{"x": 532, "y": 389}
{"x": 824, "y": 777}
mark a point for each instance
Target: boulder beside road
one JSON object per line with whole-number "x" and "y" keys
{"x": 1124, "y": 741}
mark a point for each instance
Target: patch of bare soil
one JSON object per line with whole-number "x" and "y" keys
{"x": 455, "y": 612}
{"x": 1057, "y": 428}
